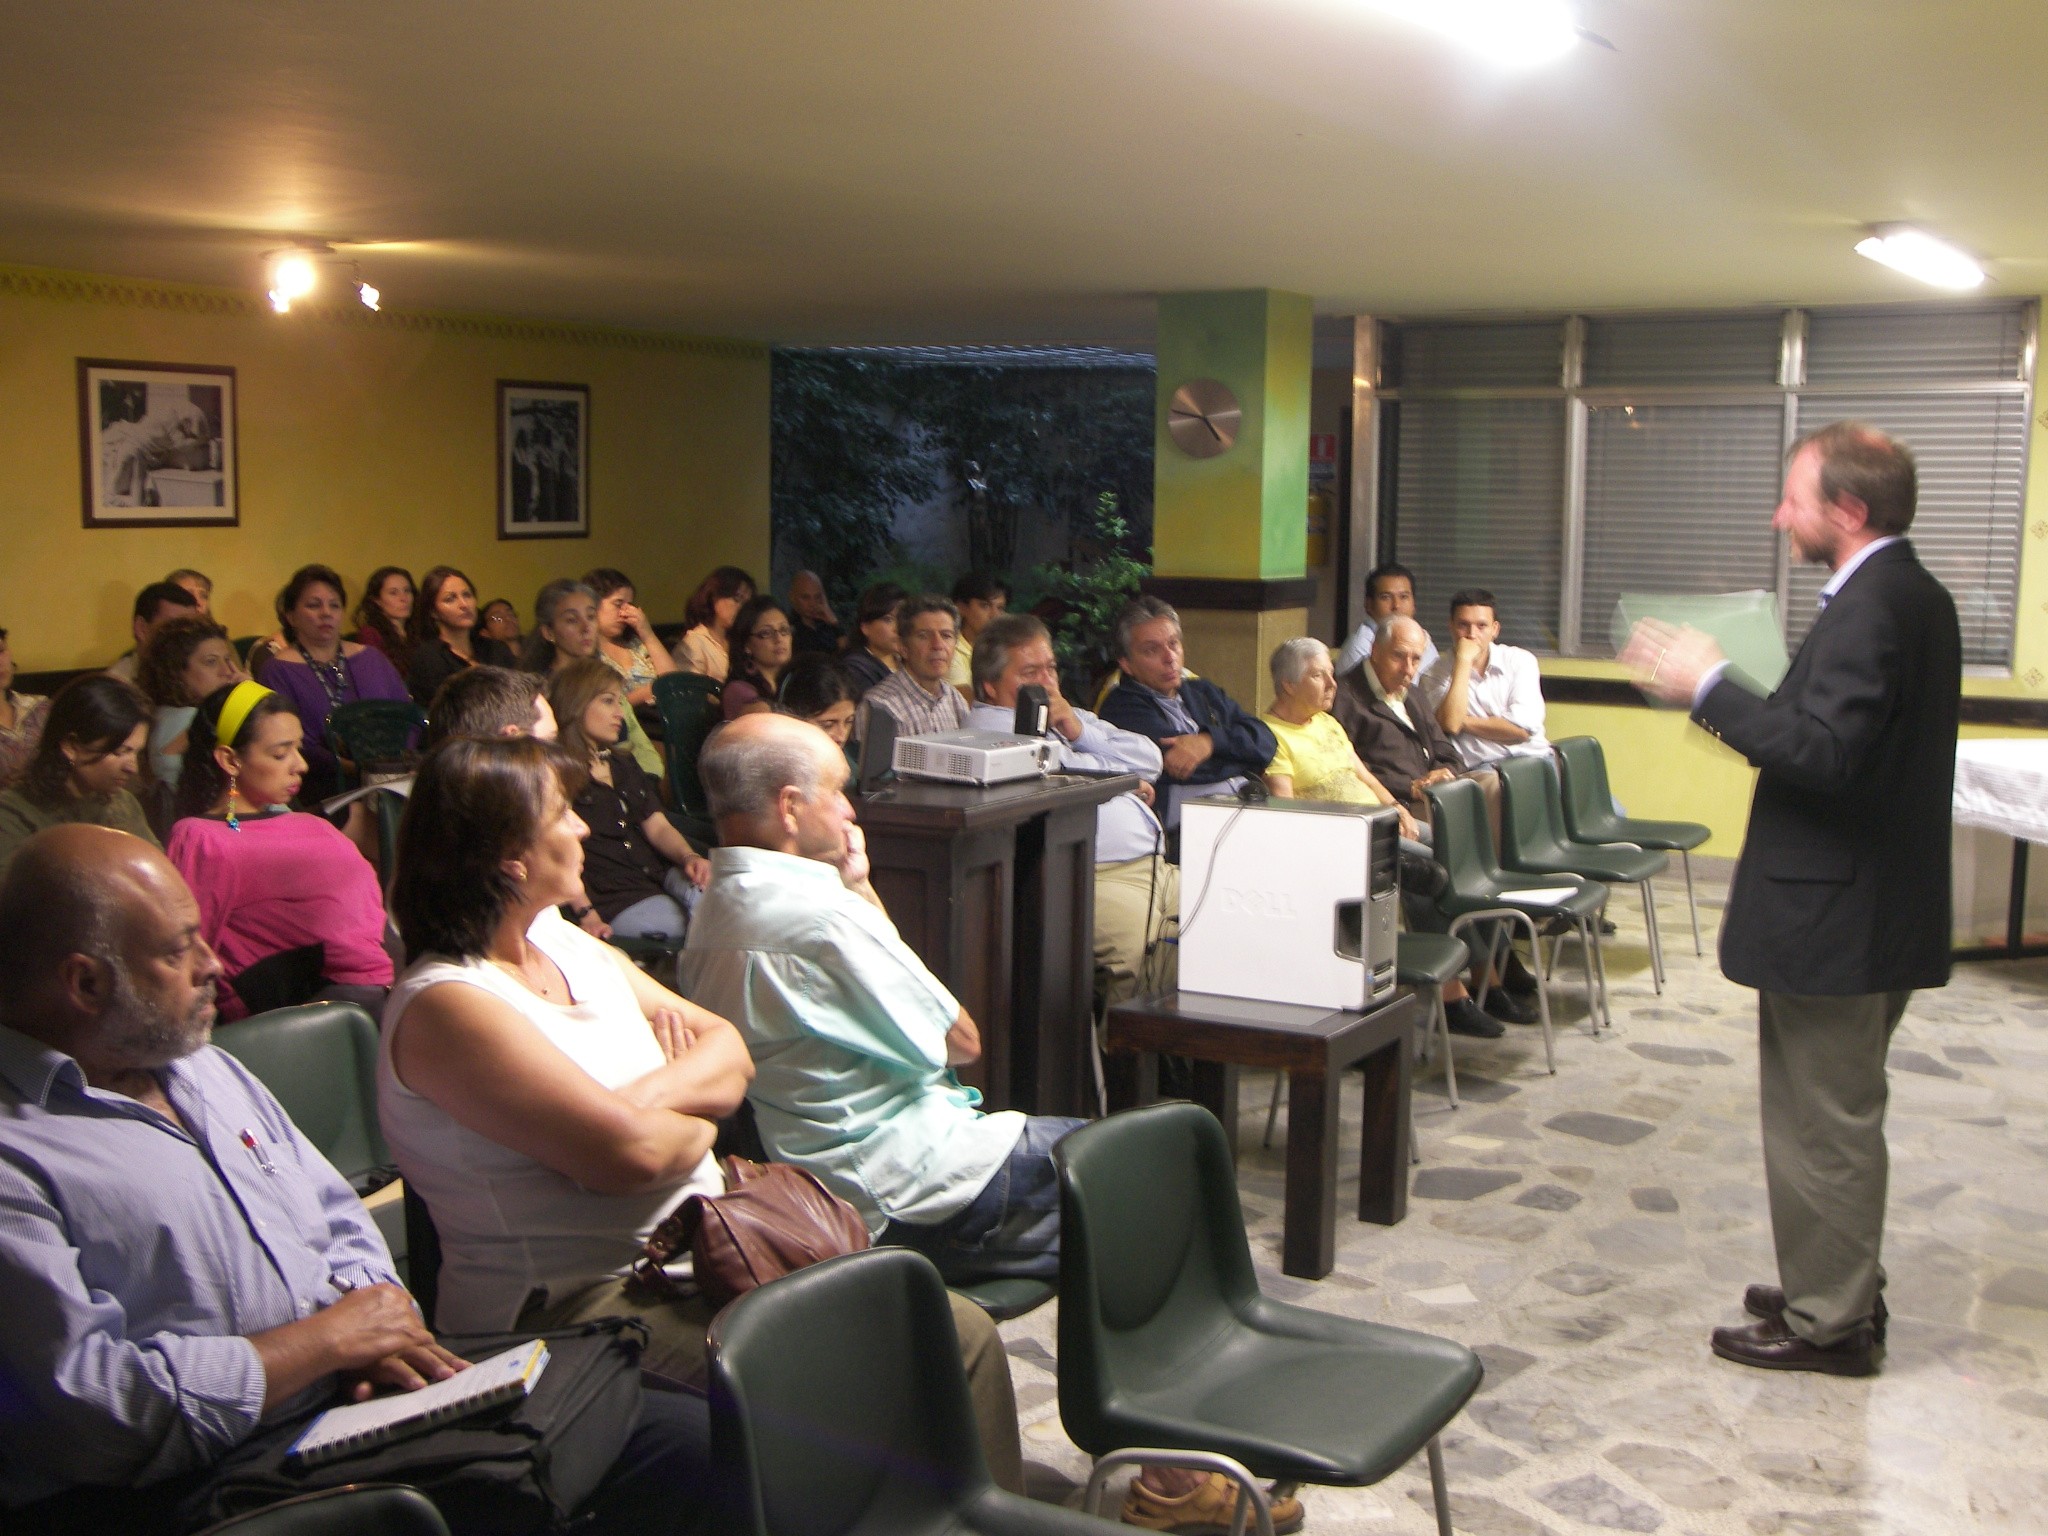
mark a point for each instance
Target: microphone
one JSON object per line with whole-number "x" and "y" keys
{"x": 1034, "y": 711}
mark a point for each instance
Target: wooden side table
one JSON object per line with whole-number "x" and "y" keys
{"x": 1312, "y": 1046}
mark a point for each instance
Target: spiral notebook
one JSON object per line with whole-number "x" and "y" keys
{"x": 503, "y": 1378}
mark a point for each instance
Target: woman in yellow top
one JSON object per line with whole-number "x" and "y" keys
{"x": 1316, "y": 760}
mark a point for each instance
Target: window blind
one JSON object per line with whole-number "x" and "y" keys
{"x": 1683, "y": 349}
{"x": 1523, "y": 354}
{"x": 1915, "y": 344}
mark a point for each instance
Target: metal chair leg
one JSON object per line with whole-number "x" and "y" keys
{"x": 1600, "y": 962}
{"x": 1273, "y": 1109}
{"x": 1656, "y": 937}
{"x": 1443, "y": 1025}
{"x": 1438, "y": 1491}
{"x": 1691, "y": 901}
{"x": 1508, "y": 917}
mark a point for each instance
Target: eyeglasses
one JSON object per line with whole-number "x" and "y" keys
{"x": 779, "y": 632}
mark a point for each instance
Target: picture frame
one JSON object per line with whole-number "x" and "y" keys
{"x": 543, "y": 460}
{"x": 158, "y": 445}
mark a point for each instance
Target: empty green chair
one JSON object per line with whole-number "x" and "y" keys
{"x": 820, "y": 1428}
{"x": 376, "y": 735}
{"x": 1167, "y": 1344}
{"x": 688, "y": 705}
{"x": 1533, "y": 828}
{"x": 1590, "y": 816}
{"x": 356, "y": 1509}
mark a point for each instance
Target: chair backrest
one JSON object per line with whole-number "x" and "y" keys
{"x": 1531, "y": 814}
{"x": 1153, "y": 1256}
{"x": 838, "y": 1399}
{"x": 320, "y": 1061}
{"x": 376, "y": 733}
{"x": 1461, "y": 840}
{"x": 688, "y": 704}
{"x": 1588, "y": 802}
{"x": 359, "y": 1509}
{"x": 244, "y": 644}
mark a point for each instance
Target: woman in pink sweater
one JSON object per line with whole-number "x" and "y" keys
{"x": 287, "y": 902}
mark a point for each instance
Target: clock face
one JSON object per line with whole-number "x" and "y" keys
{"x": 1203, "y": 418}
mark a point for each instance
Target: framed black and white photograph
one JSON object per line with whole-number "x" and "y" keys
{"x": 543, "y": 460}
{"x": 157, "y": 444}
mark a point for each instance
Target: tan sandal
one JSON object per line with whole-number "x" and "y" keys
{"x": 1205, "y": 1510}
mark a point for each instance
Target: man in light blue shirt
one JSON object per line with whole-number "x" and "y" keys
{"x": 853, "y": 1039}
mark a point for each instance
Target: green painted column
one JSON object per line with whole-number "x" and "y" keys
{"x": 1230, "y": 532}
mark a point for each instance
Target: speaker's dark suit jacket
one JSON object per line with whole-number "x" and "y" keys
{"x": 1843, "y": 884}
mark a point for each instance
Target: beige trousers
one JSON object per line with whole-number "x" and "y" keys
{"x": 1822, "y": 1079}
{"x": 676, "y": 1350}
{"x": 1135, "y": 901}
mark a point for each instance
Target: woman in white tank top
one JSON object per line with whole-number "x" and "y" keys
{"x": 549, "y": 1101}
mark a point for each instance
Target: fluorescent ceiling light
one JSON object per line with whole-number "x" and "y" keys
{"x": 1919, "y": 255}
{"x": 1512, "y": 33}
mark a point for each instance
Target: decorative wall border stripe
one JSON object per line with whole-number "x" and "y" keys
{"x": 133, "y": 293}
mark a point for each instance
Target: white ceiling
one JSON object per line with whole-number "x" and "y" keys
{"x": 817, "y": 170}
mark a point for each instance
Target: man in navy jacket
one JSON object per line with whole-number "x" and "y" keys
{"x": 1839, "y": 908}
{"x": 1208, "y": 740}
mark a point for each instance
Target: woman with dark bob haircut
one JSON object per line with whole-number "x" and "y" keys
{"x": 84, "y": 766}
{"x": 318, "y": 671}
{"x": 549, "y": 1101}
{"x": 711, "y": 610}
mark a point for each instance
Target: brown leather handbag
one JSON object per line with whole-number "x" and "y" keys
{"x": 772, "y": 1219}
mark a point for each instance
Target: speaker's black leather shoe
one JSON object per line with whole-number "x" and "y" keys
{"x": 1774, "y": 1347}
{"x": 1769, "y": 1301}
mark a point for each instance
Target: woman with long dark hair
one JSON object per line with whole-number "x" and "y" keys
{"x": 273, "y": 884}
{"x": 872, "y": 651}
{"x": 761, "y": 639}
{"x": 816, "y": 688}
{"x": 84, "y": 768}
{"x": 443, "y": 634}
{"x": 384, "y": 613}
{"x": 318, "y": 671}
{"x": 712, "y": 608}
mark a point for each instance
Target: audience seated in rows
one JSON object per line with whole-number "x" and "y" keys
{"x": 1488, "y": 697}
{"x": 854, "y": 1041}
{"x": 626, "y": 638}
{"x": 704, "y": 647}
{"x": 1389, "y": 594}
{"x": 873, "y": 650}
{"x": 1210, "y": 743}
{"x": 384, "y": 613}
{"x": 641, "y": 877}
{"x": 917, "y": 696}
{"x": 289, "y": 904}
{"x": 981, "y": 597}
{"x": 185, "y": 660}
{"x": 815, "y": 627}
{"x": 317, "y": 671}
{"x": 550, "y": 1102}
{"x": 156, "y": 1324}
{"x": 443, "y": 634}
{"x": 21, "y": 719}
{"x": 158, "y": 601}
{"x": 564, "y": 631}
{"x": 1312, "y": 757}
{"x": 499, "y": 621}
{"x": 1136, "y": 891}
{"x": 818, "y": 690}
{"x": 198, "y": 584}
{"x": 762, "y": 642}
{"x": 84, "y": 768}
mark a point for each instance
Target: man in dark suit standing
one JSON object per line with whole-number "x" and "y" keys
{"x": 1840, "y": 904}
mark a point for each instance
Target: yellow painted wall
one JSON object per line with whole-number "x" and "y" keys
{"x": 365, "y": 440}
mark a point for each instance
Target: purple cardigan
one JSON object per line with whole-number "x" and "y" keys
{"x": 367, "y": 675}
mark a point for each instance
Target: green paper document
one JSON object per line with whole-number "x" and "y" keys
{"x": 1744, "y": 623}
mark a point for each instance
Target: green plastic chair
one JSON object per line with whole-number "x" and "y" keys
{"x": 320, "y": 1060}
{"x": 1167, "y": 1345}
{"x": 839, "y": 1408}
{"x": 1532, "y": 826}
{"x": 357, "y": 1509}
{"x": 1479, "y": 892}
{"x": 376, "y": 735}
{"x": 1590, "y": 816}
{"x": 688, "y": 704}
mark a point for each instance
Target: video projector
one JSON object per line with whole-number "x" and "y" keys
{"x": 1289, "y": 901}
{"x": 972, "y": 757}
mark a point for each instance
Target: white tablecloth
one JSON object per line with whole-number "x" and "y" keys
{"x": 2002, "y": 785}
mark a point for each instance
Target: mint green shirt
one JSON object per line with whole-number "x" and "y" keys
{"x": 848, "y": 1034}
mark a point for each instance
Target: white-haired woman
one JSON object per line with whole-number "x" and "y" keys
{"x": 1316, "y": 760}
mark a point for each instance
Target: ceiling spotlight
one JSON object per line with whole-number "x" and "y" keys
{"x": 367, "y": 294}
{"x": 1919, "y": 255}
{"x": 1514, "y": 34}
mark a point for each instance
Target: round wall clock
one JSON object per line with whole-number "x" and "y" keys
{"x": 1203, "y": 418}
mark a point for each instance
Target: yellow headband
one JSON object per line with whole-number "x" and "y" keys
{"x": 235, "y": 713}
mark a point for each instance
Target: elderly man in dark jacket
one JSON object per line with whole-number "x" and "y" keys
{"x": 1208, "y": 740}
{"x": 1397, "y": 737}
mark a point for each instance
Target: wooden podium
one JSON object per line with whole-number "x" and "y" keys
{"x": 995, "y": 890}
